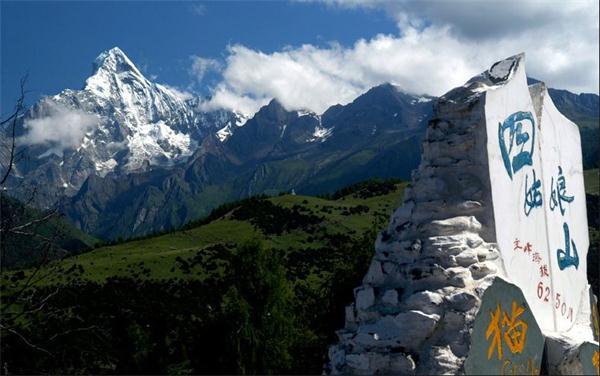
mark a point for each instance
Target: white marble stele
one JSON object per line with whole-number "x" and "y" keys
{"x": 476, "y": 210}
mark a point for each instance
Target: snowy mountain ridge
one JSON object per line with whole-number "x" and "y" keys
{"x": 120, "y": 122}
{"x": 125, "y": 150}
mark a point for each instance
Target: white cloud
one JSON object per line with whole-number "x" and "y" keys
{"x": 439, "y": 45}
{"x": 201, "y": 66}
{"x": 198, "y": 9}
{"x": 62, "y": 128}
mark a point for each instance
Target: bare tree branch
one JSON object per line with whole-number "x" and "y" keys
{"x": 72, "y": 331}
{"x": 19, "y": 107}
{"x": 25, "y": 340}
{"x": 31, "y": 223}
{"x": 17, "y": 222}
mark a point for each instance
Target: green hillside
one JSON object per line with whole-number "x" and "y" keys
{"x": 37, "y": 229}
{"x": 259, "y": 286}
{"x": 319, "y": 222}
{"x": 270, "y": 274}
{"x": 158, "y": 257}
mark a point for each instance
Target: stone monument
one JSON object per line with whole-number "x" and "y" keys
{"x": 483, "y": 267}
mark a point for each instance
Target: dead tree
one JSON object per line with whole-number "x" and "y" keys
{"x": 20, "y": 300}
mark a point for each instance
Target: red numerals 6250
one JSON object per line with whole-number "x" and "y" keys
{"x": 544, "y": 293}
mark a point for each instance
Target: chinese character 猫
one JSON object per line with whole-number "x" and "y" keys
{"x": 533, "y": 196}
{"x": 559, "y": 194}
{"x": 527, "y": 247}
{"x": 494, "y": 328}
{"x": 516, "y": 333}
{"x": 564, "y": 256}
{"x": 536, "y": 257}
{"x": 517, "y": 137}
{"x": 544, "y": 271}
{"x": 517, "y": 244}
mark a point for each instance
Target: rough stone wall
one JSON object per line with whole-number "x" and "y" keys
{"x": 422, "y": 291}
{"x": 415, "y": 310}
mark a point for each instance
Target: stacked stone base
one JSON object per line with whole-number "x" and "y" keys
{"x": 416, "y": 308}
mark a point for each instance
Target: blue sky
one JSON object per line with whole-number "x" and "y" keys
{"x": 56, "y": 42}
{"x": 309, "y": 54}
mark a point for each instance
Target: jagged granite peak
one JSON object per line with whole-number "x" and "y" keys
{"x": 114, "y": 72}
{"x": 114, "y": 60}
{"x": 415, "y": 310}
{"x": 259, "y": 136}
{"x": 275, "y": 110}
{"x": 133, "y": 124}
{"x": 388, "y": 93}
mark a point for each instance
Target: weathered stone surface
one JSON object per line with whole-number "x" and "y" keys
{"x": 452, "y": 225}
{"x": 482, "y": 269}
{"x": 350, "y": 317}
{"x": 506, "y": 338}
{"x": 416, "y": 311}
{"x": 416, "y": 325}
{"x": 365, "y": 298}
{"x": 401, "y": 364}
{"x": 462, "y": 301}
{"x": 375, "y": 274}
{"x": 428, "y": 302}
{"x": 441, "y": 361}
{"x": 390, "y": 297}
{"x": 589, "y": 357}
{"x": 337, "y": 355}
{"x": 358, "y": 361}
{"x": 568, "y": 358}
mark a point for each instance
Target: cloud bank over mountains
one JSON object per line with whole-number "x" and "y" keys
{"x": 438, "y": 45}
{"x": 62, "y": 128}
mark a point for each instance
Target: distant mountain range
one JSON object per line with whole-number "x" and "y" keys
{"x": 152, "y": 159}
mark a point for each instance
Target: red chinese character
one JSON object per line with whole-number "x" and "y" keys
{"x": 544, "y": 271}
{"x": 517, "y": 244}
{"x": 527, "y": 247}
{"x": 536, "y": 257}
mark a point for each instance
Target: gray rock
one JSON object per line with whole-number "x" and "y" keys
{"x": 390, "y": 297}
{"x": 374, "y": 275}
{"x": 425, "y": 301}
{"x": 337, "y": 355}
{"x": 358, "y": 361}
{"x": 365, "y": 298}
{"x": 566, "y": 357}
{"x": 416, "y": 326}
{"x": 462, "y": 301}
{"x": 401, "y": 364}
{"x": 350, "y": 317}
{"x": 379, "y": 362}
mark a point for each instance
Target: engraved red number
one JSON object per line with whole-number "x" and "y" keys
{"x": 557, "y": 301}
{"x": 547, "y": 294}
{"x": 540, "y": 290}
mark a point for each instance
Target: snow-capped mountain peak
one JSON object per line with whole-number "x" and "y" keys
{"x": 115, "y": 60}
{"x": 137, "y": 124}
{"x": 113, "y": 70}
{"x": 238, "y": 120}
